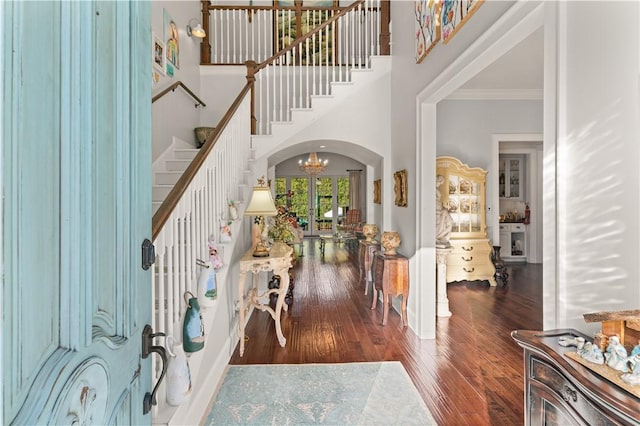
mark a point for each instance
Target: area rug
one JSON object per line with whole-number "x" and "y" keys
{"x": 371, "y": 393}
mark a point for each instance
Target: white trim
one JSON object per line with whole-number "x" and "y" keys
{"x": 520, "y": 21}
{"x": 496, "y": 94}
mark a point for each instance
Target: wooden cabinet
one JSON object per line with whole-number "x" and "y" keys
{"x": 510, "y": 176}
{"x": 464, "y": 194}
{"x": 513, "y": 241}
{"x": 391, "y": 276}
{"x": 560, "y": 391}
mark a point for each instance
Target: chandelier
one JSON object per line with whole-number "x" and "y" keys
{"x": 313, "y": 165}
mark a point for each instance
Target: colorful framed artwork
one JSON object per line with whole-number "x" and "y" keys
{"x": 454, "y": 14}
{"x": 158, "y": 55}
{"x": 427, "y": 27}
{"x": 377, "y": 191}
{"x": 172, "y": 42}
{"x": 400, "y": 188}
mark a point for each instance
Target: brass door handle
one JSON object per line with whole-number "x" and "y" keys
{"x": 467, "y": 270}
{"x": 467, "y": 249}
{"x": 467, "y": 260}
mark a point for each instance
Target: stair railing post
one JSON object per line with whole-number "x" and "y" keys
{"x": 205, "y": 46}
{"x": 251, "y": 79}
{"x": 385, "y": 35}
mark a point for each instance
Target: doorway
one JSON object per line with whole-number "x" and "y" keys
{"x": 318, "y": 202}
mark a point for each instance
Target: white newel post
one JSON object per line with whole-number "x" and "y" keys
{"x": 442, "y": 305}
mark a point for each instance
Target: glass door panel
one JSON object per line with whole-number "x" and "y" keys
{"x": 299, "y": 199}
{"x": 343, "y": 198}
{"x": 324, "y": 205}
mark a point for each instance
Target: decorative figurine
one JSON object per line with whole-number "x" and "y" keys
{"x": 578, "y": 342}
{"x": 633, "y": 378}
{"x": 444, "y": 222}
{"x": 233, "y": 210}
{"x": 616, "y": 355}
{"x": 591, "y": 353}
{"x": 225, "y": 232}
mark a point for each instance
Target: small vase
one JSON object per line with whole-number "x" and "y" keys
{"x": 370, "y": 230}
{"x": 390, "y": 241}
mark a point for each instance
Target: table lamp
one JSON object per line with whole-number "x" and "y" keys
{"x": 261, "y": 205}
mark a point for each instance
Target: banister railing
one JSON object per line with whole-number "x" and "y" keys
{"x": 237, "y": 33}
{"x": 289, "y": 79}
{"x": 177, "y": 192}
{"x": 173, "y": 87}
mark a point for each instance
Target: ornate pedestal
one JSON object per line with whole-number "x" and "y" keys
{"x": 442, "y": 301}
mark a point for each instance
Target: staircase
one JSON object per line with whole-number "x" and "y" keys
{"x": 167, "y": 170}
{"x": 284, "y": 102}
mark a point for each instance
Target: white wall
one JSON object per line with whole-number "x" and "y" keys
{"x": 175, "y": 115}
{"x": 597, "y": 161}
{"x": 465, "y": 129}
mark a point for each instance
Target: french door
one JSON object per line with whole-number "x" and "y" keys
{"x": 319, "y": 203}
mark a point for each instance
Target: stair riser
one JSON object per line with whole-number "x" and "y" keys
{"x": 177, "y": 165}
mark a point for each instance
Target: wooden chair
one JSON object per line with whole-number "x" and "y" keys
{"x": 352, "y": 222}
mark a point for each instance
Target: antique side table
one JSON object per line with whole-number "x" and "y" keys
{"x": 391, "y": 275}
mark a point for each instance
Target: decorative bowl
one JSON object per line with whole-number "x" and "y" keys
{"x": 202, "y": 133}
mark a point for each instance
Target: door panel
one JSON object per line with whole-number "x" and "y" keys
{"x": 323, "y": 190}
{"x": 76, "y": 184}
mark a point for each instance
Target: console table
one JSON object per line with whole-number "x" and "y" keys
{"x": 279, "y": 261}
{"x": 560, "y": 391}
{"x": 391, "y": 275}
{"x": 337, "y": 238}
{"x": 365, "y": 257}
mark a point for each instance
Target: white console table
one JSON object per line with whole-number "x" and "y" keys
{"x": 279, "y": 261}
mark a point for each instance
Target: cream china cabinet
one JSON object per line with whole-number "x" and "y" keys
{"x": 464, "y": 194}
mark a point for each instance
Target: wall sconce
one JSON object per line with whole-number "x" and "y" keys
{"x": 195, "y": 31}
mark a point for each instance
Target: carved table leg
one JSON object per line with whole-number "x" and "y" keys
{"x": 280, "y": 305}
{"x": 385, "y": 307}
{"x": 241, "y": 279}
{"x": 405, "y": 321}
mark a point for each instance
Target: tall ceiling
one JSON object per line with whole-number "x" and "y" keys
{"x": 520, "y": 69}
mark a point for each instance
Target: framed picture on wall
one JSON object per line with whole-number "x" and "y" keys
{"x": 454, "y": 14}
{"x": 172, "y": 42}
{"x": 427, "y": 27}
{"x": 377, "y": 197}
{"x": 158, "y": 55}
{"x": 400, "y": 188}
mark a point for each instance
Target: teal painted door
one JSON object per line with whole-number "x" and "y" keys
{"x": 76, "y": 153}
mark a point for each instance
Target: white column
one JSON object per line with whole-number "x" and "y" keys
{"x": 442, "y": 302}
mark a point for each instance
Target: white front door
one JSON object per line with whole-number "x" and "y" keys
{"x": 76, "y": 153}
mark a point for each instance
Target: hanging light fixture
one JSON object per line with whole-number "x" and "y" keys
{"x": 313, "y": 165}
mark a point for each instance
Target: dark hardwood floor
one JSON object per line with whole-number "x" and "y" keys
{"x": 471, "y": 374}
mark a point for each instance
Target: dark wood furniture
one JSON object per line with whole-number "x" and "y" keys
{"x": 560, "y": 391}
{"x": 391, "y": 275}
{"x": 365, "y": 258}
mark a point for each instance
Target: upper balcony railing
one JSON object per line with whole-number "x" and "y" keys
{"x": 314, "y": 47}
{"x": 239, "y": 33}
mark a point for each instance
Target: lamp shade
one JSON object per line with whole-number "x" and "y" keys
{"x": 261, "y": 203}
{"x": 198, "y": 31}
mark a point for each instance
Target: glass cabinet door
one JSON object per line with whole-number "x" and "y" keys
{"x": 510, "y": 172}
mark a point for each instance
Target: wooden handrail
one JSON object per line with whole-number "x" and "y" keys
{"x": 173, "y": 87}
{"x": 308, "y": 35}
{"x": 162, "y": 215}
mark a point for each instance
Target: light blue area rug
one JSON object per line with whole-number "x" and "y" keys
{"x": 371, "y": 393}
